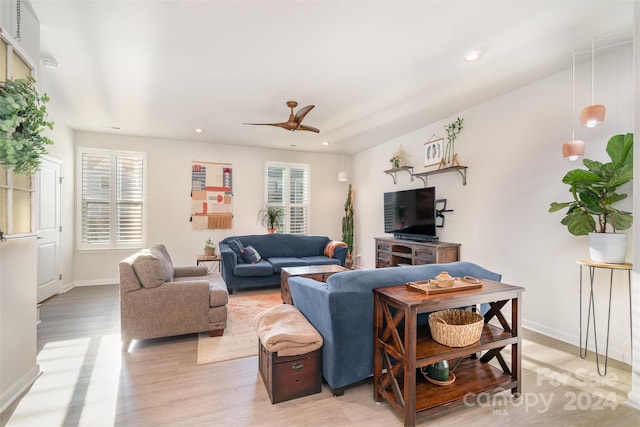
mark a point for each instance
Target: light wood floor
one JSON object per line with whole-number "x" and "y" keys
{"x": 87, "y": 381}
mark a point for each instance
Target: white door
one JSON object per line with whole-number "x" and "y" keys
{"x": 49, "y": 231}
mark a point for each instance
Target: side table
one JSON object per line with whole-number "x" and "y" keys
{"x": 592, "y": 265}
{"x": 401, "y": 348}
{"x": 215, "y": 261}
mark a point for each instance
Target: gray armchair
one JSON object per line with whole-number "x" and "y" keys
{"x": 159, "y": 300}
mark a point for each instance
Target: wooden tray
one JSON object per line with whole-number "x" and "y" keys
{"x": 431, "y": 289}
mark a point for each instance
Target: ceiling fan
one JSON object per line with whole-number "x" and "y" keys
{"x": 295, "y": 121}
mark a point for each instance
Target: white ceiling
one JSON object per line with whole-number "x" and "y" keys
{"x": 373, "y": 69}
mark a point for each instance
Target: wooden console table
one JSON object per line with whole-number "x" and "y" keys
{"x": 401, "y": 348}
{"x": 396, "y": 252}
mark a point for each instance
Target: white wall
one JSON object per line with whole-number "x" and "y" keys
{"x": 634, "y": 395}
{"x": 169, "y": 203}
{"x": 18, "y": 282}
{"x": 512, "y": 146}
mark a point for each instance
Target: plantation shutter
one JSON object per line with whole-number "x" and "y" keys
{"x": 112, "y": 199}
{"x": 129, "y": 199}
{"x": 287, "y": 186}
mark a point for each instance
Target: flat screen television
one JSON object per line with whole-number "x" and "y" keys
{"x": 411, "y": 214}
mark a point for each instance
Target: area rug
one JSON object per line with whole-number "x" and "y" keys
{"x": 239, "y": 338}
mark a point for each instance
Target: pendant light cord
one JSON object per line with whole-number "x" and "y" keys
{"x": 593, "y": 66}
{"x": 573, "y": 97}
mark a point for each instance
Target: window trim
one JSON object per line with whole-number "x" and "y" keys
{"x": 113, "y": 245}
{"x": 10, "y": 187}
{"x": 286, "y": 203}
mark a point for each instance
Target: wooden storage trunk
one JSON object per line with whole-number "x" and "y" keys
{"x": 290, "y": 377}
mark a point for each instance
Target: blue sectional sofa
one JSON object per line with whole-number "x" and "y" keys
{"x": 276, "y": 251}
{"x": 342, "y": 311}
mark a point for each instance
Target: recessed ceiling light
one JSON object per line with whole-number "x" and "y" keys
{"x": 472, "y": 56}
{"x": 325, "y": 143}
{"x": 198, "y": 130}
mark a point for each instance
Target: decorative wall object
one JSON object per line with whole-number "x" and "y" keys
{"x": 211, "y": 195}
{"x": 450, "y": 157}
{"x": 433, "y": 151}
{"x": 400, "y": 158}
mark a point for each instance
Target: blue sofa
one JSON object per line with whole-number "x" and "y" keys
{"x": 277, "y": 251}
{"x": 342, "y": 311}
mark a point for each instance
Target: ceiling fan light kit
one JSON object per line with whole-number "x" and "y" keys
{"x": 295, "y": 120}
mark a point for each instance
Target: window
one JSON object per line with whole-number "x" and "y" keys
{"x": 287, "y": 186}
{"x": 16, "y": 191}
{"x": 15, "y": 203}
{"x": 111, "y": 188}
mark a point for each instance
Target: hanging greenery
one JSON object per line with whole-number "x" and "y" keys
{"x": 23, "y": 118}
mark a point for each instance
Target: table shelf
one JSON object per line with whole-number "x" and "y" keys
{"x": 402, "y": 348}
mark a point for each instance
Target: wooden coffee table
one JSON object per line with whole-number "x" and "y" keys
{"x": 316, "y": 272}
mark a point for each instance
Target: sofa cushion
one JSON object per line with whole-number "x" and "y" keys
{"x": 320, "y": 260}
{"x": 152, "y": 268}
{"x": 250, "y": 255}
{"x": 284, "y": 245}
{"x": 237, "y": 247}
{"x": 280, "y": 262}
{"x": 262, "y": 268}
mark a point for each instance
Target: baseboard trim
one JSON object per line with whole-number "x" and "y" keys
{"x": 16, "y": 390}
{"x": 96, "y": 282}
{"x": 616, "y": 353}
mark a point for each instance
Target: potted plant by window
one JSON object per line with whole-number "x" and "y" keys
{"x": 271, "y": 218}
{"x": 209, "y": 247}
{"x": 592, "y": 211}
{"x": 23, "y": 118}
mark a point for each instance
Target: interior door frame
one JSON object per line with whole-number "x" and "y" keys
{"x": 58, "y": 225}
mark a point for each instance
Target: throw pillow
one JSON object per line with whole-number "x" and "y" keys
{"x": 237, "y": 247}
{"x": 152, "y": 268}
{"x": 250, "y": 255}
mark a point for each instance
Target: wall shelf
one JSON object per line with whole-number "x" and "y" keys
{"x": 393, "y": 172}
{"x": 462, "y": 170}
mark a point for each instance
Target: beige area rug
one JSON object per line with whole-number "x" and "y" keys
{"x": 240, "y": 338}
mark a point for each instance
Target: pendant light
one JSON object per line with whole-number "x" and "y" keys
{"x": 343, "y": 175}
{"x": 573, "y": 149}
{"x": 592, "y": 115}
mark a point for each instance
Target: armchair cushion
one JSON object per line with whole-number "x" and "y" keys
{"x": 152, "y": 268}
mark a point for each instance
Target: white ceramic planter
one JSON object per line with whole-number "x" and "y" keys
{"x": 608, "y": 247}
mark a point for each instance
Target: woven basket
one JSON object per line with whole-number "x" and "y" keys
{"x": 456, "y": 328}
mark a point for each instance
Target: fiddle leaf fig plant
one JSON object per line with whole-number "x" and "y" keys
{"x": 594, "y": 191}
{"x": 23, "y": 118}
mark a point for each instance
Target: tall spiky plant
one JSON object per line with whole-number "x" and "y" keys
{"x": 347, "y": 221}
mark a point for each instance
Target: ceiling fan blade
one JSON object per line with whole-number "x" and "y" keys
{"x": 285, "y": 125}
{"x": 303, "y": 112}
{"x": 309, "y": 128}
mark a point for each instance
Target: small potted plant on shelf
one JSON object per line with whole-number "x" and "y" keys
{"x": 400, "y": 158}
{"x": 450, "y": 157}
{"x": 209, "y": 247}
{"x": 592, "y": 211}
{"x": 271, "y": 218}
